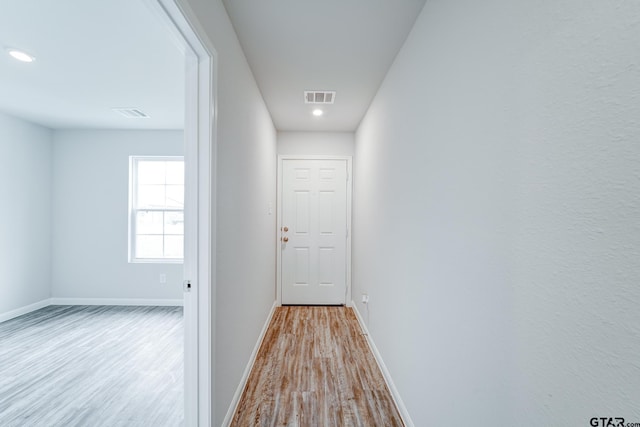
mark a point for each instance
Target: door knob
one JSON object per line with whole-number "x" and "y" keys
{"x": 285, "y": 239}
{"x": 285, "y": 229}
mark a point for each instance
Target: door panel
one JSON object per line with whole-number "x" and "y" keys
{"x": 302, "y": 212}
{"x": 314, "y": 231}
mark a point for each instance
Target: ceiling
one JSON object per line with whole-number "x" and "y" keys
{"x": 341, "y": 45}
{"x": 91, "y": 56}
{"x": 95, "y": 55}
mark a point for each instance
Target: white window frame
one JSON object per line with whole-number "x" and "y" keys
{"x": 133, "y": 188}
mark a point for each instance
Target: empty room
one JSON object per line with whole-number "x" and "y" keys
{"x": 91, "y": 301}
{"x": 407, "y": 212}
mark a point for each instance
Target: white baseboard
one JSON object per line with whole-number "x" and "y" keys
{"x": 385, "y": 372}
{"x": 116, "y": 301}
{"x": 24, "y": 310}
{"x": 86, "y": 301}
{"x": 245, "y": 376}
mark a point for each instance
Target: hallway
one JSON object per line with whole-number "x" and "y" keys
{"x": 314, "y": 368}
{"x": 495, "y": 233}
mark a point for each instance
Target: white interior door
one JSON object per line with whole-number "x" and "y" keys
{"x": 313, "y": 233}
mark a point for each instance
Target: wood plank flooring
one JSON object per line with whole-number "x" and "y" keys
{"x": 314, "y": 369}
{"x": 92, "y": 366}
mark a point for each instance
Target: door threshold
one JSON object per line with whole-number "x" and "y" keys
{"x": 313, "y": 305}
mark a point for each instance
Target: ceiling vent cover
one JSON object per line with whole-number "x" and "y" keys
{"x": 319, "y": 96}
{"x": 131, "y": 113}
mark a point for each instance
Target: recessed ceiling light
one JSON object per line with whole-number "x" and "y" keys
{"x": 20, "y": 55}
{"x": 317, "y": 112}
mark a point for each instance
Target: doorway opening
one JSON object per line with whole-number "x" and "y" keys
{"x": 199, "y": 130}
{"x": 200, "y": 200}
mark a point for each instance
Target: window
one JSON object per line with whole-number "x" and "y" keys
{"x": 156, "y": 217}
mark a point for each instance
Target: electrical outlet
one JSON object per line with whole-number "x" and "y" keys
{"x": 163, "y": 278}
{"x": 365, "y": 298}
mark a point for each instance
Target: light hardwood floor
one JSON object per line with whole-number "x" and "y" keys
{"x": 314, "y": 369}
{"x": 92, "y": 366}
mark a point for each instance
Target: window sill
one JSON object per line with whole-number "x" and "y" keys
{"x": 156, "y": 261}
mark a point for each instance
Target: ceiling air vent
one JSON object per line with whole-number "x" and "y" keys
{"x": 319, "y": 96}
{"x": 131, "y": 113}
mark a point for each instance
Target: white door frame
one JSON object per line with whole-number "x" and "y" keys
{"x": 279, "y": 218}
{"x": 200, "y": 205}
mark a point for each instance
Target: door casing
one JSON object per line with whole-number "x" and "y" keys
{"x": 200, "y": 204}
{"x": 281, "y": 158}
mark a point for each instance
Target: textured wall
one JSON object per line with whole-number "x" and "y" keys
{"x": 497, "y": 213}
{"x": 25, "y": 209}
{"x": 577, "y": 229}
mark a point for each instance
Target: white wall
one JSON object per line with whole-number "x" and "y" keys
{"x": 25, "y": 226}
{"x": 246, "y": 184}
{"x": 90, "y": 216}
{"x": 496, "y": 213}
{"x": 316, "y": 143}
{"x": 577, "y": 228}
